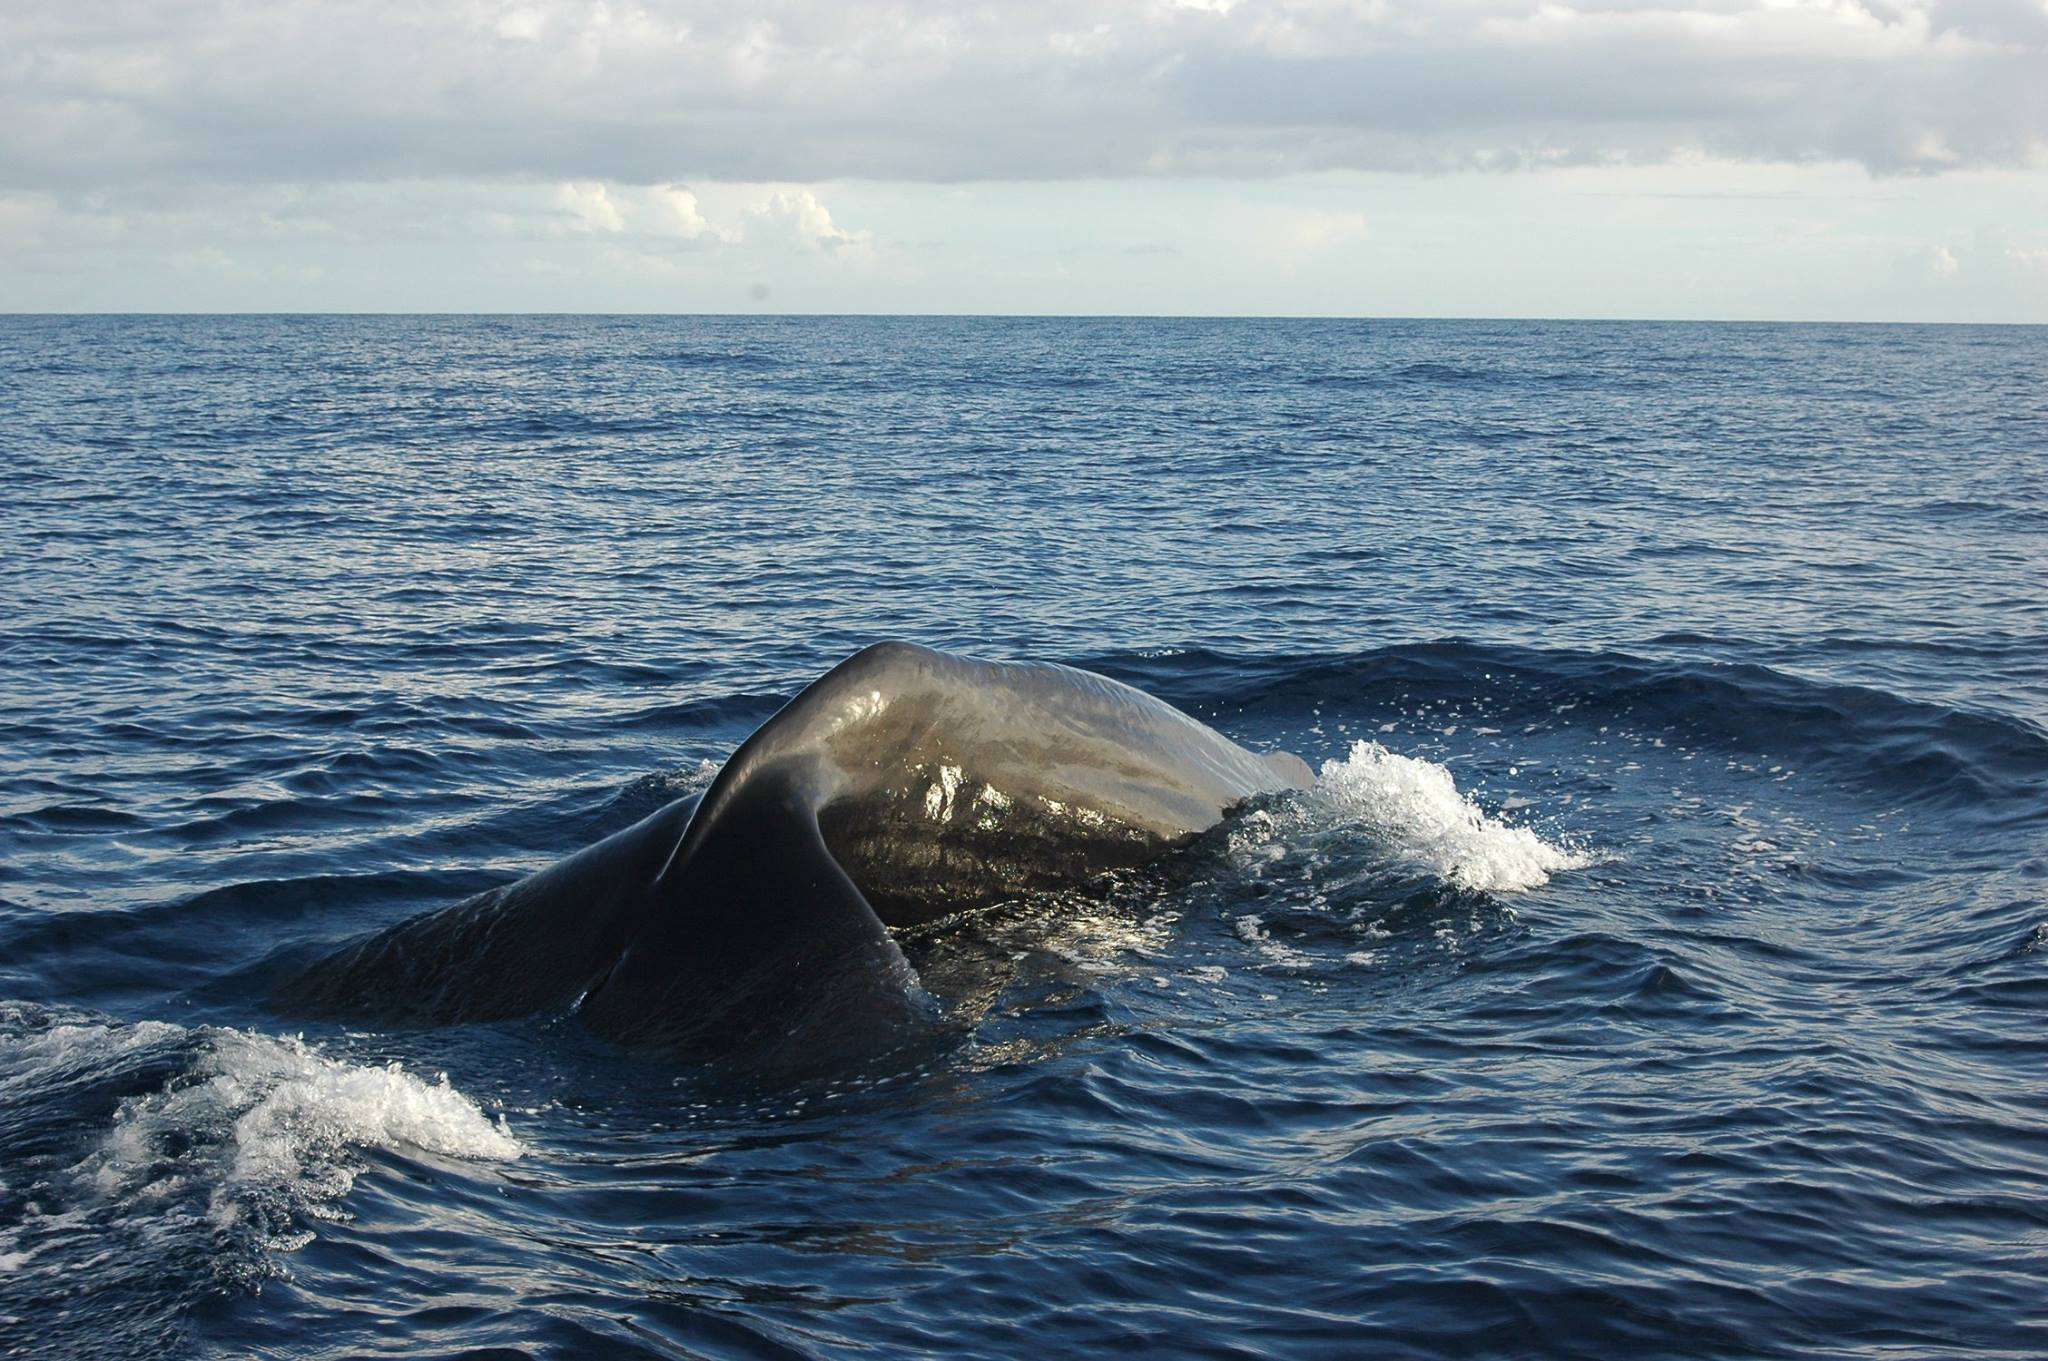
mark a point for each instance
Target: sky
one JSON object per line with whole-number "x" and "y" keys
{"x": 1752, "y": 159}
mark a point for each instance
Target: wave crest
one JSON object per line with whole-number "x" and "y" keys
{"x": 222, "y": 1142}
{"x": 268, "y": 1125}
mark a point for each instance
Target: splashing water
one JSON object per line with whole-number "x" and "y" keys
{"x": 1414, "y": 808}
{"x": 270, "y": 1122}
{"x": 1413, "y": 813}
{"x": 249, "y": 1134}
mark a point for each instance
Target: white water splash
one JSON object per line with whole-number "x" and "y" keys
{"x": 272, "y": 1120}
{"x": 34, "y": 1057}
{"x": 1251, "y": 929}
{"x": 245, "y": 1133}
{"x": 1413, "y": 807}
{"x": 1413, "y": 813}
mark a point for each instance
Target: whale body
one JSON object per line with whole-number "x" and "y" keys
{"x": 904, "y": 785}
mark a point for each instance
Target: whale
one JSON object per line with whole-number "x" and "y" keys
{"x": 903, "y": 786}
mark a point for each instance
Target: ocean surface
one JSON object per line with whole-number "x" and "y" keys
{"x": 1658, "y": 968}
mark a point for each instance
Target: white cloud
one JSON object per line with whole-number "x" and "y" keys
{"x": 1704, "y": 239}
{"x": 1697, "y": 157}
{"x": 127, "y": 92}
{"x": 677, "y": 213}
{"x": 784, "y": 217}
{"x": 590, "y": 207}
{"x": 521, "y": 25}
{"x": 796, "y": 216}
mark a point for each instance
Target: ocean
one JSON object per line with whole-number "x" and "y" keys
{"x": 1657, "y": 968}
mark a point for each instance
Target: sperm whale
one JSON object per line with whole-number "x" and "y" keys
{"x": 904, "y": 785}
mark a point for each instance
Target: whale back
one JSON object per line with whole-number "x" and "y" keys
{"x": 904, "y": 785}
{"x": 951, "y": 782}
{"x": 536, "y": 944}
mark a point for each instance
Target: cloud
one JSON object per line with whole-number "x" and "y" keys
{"x": 777, "y": 218}
{"x": 1987, "y": 263}
{"x": 589, "y": 207}
{"x": 43, "y": 230}
{"x": 124, "y": 94}
{"x": 677, "y": 214}
{"x": 795, "y": 216}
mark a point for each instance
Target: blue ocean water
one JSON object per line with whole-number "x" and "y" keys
{"x": 1658, "y": 968}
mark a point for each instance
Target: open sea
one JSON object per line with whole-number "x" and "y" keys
{"x": 1658, "y": 967}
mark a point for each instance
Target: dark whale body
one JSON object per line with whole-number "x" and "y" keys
{"x": 902, "y": 786}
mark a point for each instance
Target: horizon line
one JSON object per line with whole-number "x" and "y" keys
{"x": 1025, "y": 316}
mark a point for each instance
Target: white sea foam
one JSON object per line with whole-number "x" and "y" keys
{"x": 273, "y": 1122}
{"x": 246, "y": 1132}
{"x": 1251, "y": 929}
{"x": 35, "y": 1057}
{"x": 1414, "y": 814}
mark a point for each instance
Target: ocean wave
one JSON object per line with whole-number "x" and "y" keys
{"x": 267, "y": 1125}
{"x": 214, "y": 1140}
{"x": 1913, "y": 750}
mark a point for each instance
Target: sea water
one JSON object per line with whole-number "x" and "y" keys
{"x": 1657, "y": 968}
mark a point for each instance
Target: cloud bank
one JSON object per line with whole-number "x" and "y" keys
{"x": 121, "y": 96}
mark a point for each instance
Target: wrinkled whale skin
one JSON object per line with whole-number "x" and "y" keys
{"x": 903, "y": 785}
